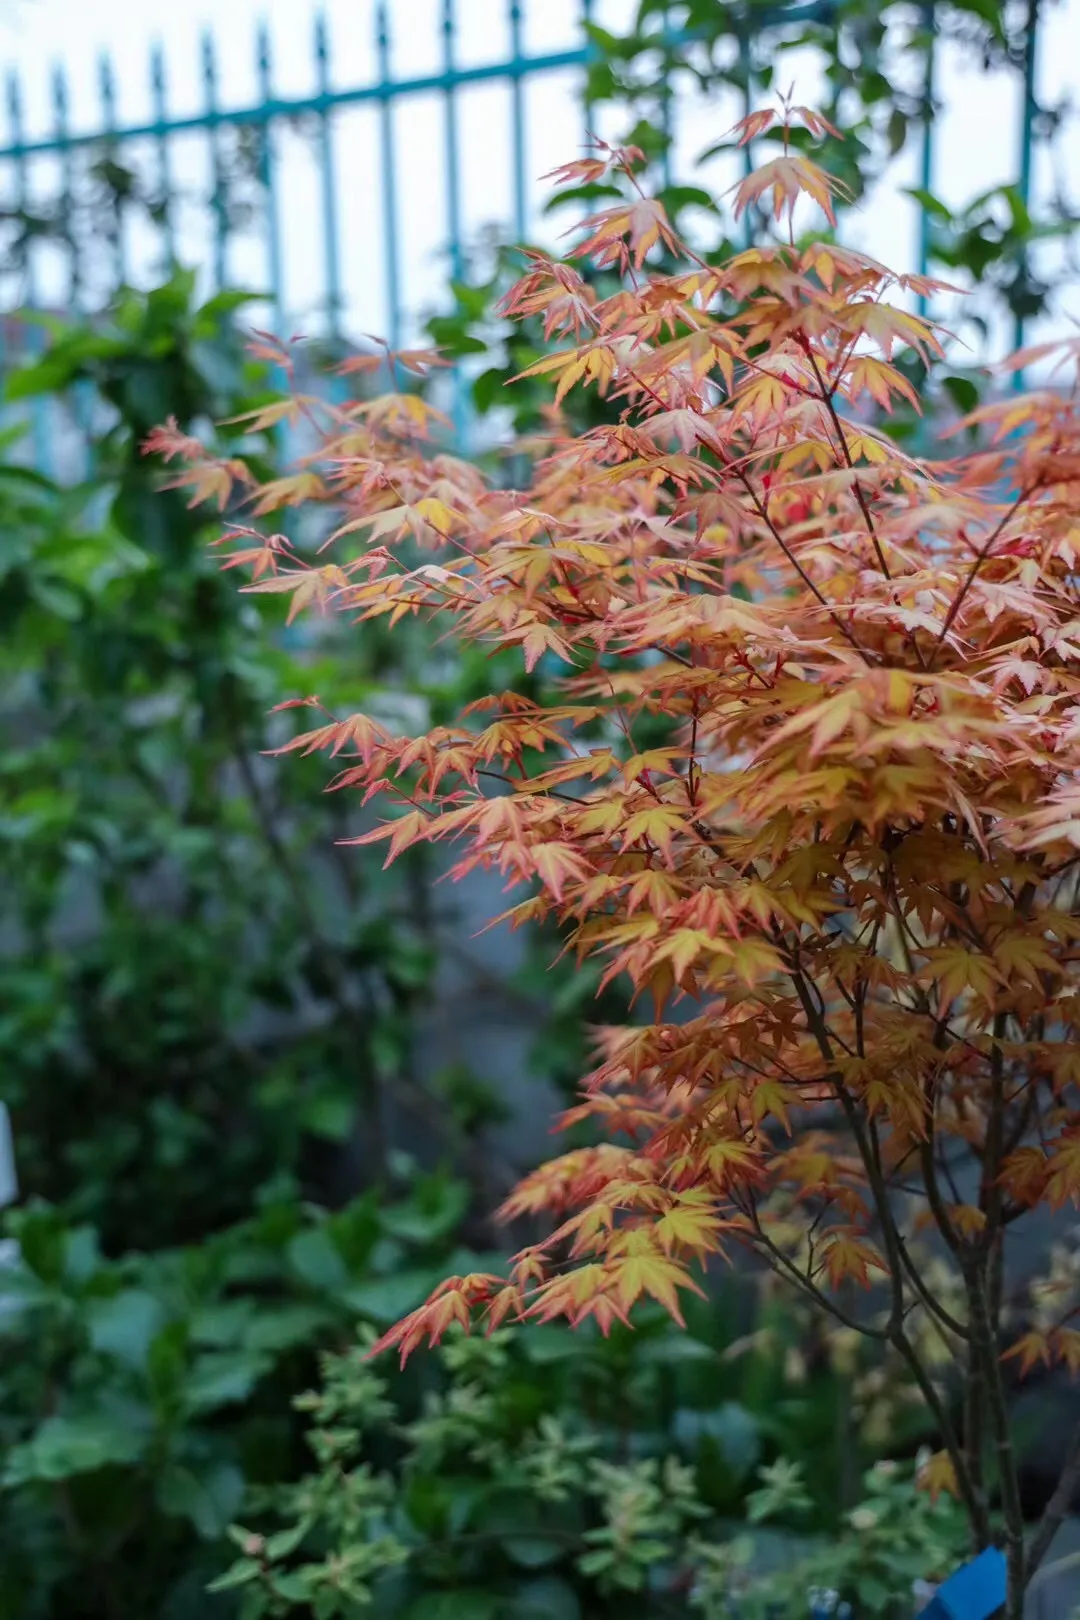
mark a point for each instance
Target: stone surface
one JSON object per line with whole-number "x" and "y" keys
{"x": 1055, "y": 1592}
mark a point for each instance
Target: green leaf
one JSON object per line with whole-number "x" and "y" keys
{"x": 897, "y": 130}
{"x": 933, "y": 205}
{"x": 284, "y": 1326}
{"x": 387, "y": 1299}
{"x": 66, "y": 1446}
{"x": 676, "y": 197}
{"x": 330, "y": 1115}
{"x": 874, "y": 1593}
{"x": 314, "y": 1256}
{"x": 593, "y": 191}
{"x": 962, "y": 391}
{"x": 530, "y": 1535}
{"x": 431, "y": 1214}
{"x": 208, "y": 1498}
{"x": 488, "y": 389}
{"x": 125, "y": 1325}
{"x": 547, "y": 1598}
{"x": 49, "y": 376}
{"x": 223, "y": 1324}
{"x": 242, "y": 1573}
{"x": 297, "y": 1586}
{"x": 463, "y": 1603}
{"x": 449, "y": 337}
{"x": 221, "y": 1378}
{"x": 226, "y": 303}
{"x": 287, "y": 1541}
{"x": 734, "y": 1431}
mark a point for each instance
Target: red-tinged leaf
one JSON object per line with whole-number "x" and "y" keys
{"x": 881, "y": 381}
{"x": 692, "y": 1224}
{"x": 539, "y": 639}
{"x": 556, "y": 865}
{"x": 770, "y": 1097}
{"x": 1031, "y": 1350}
{"x": 788, "y": 178}
{"x": 411, "y": 828}
{"x": 654, "y": 1275}
{"x": 656, "y": 825}
{"x": 452, "y": 1304}
{"x": 307, "y": 587}
{"x": 753, "y": 125}
{"x": 1024, "y": 1174}
{"x": 850, "y": 1258}
{"x": 296, "y": 703}
{"x": 1063, "y": 1172}
{"x": 587, "y": 1290}
{"x": 937, "y": 1477}
{"x": 263, "y": 417}
{"x": 506, "y": 1305}
{"x": 1065, "y": 1344}
{"x": 966, "y": 1219}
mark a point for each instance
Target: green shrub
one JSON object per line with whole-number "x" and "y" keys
{"x": 140, "y": 1398}
{"x": 551, "y": 1478}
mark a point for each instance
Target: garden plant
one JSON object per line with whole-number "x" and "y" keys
{"x": 844, "y": 867}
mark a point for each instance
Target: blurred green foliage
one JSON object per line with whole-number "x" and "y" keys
{"x": 563, "y": 1476}
{"x": 141, "y": 1397}
{"x": 199, "y": 991}
{"x": 207, "y": 1007}
{"x": 871, "y": 62}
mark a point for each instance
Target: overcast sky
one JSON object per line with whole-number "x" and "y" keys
{"x": 977, "y": 136}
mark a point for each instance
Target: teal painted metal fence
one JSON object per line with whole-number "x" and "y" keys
{"x": 271, "y": 112}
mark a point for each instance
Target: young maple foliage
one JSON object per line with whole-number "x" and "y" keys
{"x": 849, "y": 879}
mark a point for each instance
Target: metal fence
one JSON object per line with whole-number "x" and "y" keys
{"x": 260, "y": 125}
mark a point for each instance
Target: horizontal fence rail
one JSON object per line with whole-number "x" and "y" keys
{"x": 263, "y": 120}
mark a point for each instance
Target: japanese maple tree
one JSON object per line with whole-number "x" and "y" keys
{"x": 847, "y": 877}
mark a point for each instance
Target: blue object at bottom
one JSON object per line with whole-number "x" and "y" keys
{"x": 975, "y": 1592}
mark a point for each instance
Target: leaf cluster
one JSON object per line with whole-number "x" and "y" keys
{"x": 846, "y": 877}
{"x": 493, "y": 1502}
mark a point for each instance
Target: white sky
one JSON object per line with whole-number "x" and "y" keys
{"x": 976, "y": 145}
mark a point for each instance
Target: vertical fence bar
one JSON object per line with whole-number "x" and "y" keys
{"x": 268, "y": 178}
{"x": 67, "y": 180}
{"x": 517, "y": 115}
{"x": 590, "y": 55}
{"x": 40, "y": 417}
{"x": 389, "y": 178}
{"x": 1027, "y": 120}
{"x": 746, "y": 64}
{"x": 331, "y": 254}
{"x": 453, "y": 195}
{"x": 667, "y": 115}
{"x": 264, "y": 133}
{"x": 453, "y": 164}
{"x": 107, "y": 93}
{"x": 928, "y": 21}
{"x": 83, "y": 393}
{"x": 217, "y": 200}
{"x": 159, "y": 104}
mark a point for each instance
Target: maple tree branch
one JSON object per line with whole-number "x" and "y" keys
{"x": 974, "y": 1419}
{"x": 806, "y": 1284}
{"x": 895, "y": 1332}
{"x": 762, "y": 513}
{"x": 828, "y": 399}
{"x": 972, "y": 1499}
{"x": 988, "y": 1348}
{"x": 972, "y": 574}
{"x": 944, "y": 1317}
{"x": 1057, "y": 1508}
